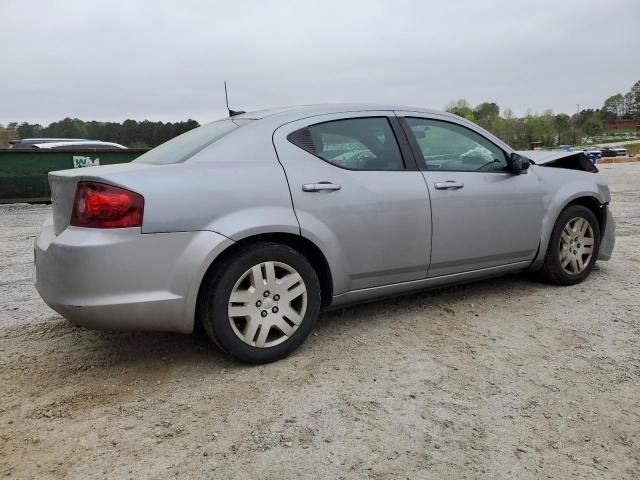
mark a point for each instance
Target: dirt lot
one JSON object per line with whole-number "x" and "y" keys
{"x": 507, "y": 378}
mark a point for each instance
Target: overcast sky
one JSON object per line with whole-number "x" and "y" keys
{"x": 166, "y": 60}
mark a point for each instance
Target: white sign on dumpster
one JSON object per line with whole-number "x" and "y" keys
{"x": 81, "y": 161}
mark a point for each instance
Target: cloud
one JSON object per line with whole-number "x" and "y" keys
{"x": 166, "y": 60}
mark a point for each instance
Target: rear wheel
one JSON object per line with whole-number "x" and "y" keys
{"x": 260, "y": 304}
{"x": 573, "y": 246}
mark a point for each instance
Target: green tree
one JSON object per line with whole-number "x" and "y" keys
{"x": 67, "y": 128}
{"x": 632, "y": 100}
{"x": 28, "y": 130}
{"x": 540, "y": 128}
{"x": 571, "y": 136}
{"x": 593, "y": 125}
{"x": 510, "y": 128}
{"x": 613, "y": 107}
{"x": 461, "y": 108}
{"x": 561, "y": 121}
{"x": 128, "y": 133}
{"x": 485, "y": 114}
{"x": 4, "y": 137}
{"x": 588, "y": 121}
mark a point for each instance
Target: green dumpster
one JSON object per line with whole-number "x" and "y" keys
{"x": 23, "y": 173}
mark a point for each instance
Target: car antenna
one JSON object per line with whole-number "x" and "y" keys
{"x": 232, "y": 113}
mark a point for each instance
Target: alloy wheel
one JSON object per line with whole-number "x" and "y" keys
{"x": 267, "y": 304}
{"x": 576, "y": 246}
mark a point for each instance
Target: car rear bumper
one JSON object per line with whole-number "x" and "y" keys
{"x": 608, "y": 241}
{"x": 122, "y": 279}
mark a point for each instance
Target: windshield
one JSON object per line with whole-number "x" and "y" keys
{"x": 182, "y": 147}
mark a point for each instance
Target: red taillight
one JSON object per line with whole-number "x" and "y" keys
{"x": 98, "y": 205}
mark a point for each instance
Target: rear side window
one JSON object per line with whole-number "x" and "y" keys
{"x": 354, "y": 143}
{"x": 182, "y": 147}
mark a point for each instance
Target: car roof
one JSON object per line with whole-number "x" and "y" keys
{"x": 302, "y": 111}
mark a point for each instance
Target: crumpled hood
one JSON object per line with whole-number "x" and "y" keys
{"x": 540, "y": 157}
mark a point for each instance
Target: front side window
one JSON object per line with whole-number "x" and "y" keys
{"x": 355, "y": 143}
{"x": 451, "y": 147}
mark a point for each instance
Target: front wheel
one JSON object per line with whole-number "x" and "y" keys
{"x": 573, "y": 246}
{"x": 261, "y": 303}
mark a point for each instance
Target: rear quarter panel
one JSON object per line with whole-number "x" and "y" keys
{"x": 234, "y": 187}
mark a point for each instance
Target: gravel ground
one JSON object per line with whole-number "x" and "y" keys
{"x": 505, "y": 378}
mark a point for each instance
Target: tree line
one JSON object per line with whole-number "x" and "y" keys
{"x": 547, "y": 128}
{"x": 130, "y": 133}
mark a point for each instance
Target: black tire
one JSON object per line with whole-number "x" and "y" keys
{"x": 552, "y": 270}
{"x": 217, "y": 287}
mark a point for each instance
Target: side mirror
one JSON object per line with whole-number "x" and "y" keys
{"x": 518, "y": 164}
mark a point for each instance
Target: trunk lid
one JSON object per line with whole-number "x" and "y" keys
{"x": 63, "y": 191}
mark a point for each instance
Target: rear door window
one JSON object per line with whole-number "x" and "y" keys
{"x": 354, "y": 143}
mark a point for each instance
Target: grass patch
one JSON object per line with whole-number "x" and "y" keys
{"x": 633, "y": 149}
{"x": 620, "y": 131}
{"x": 602, "y": 142}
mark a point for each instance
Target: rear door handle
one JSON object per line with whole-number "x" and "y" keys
{"x": 320, "y": 187}
{"x": 448, "y": 185}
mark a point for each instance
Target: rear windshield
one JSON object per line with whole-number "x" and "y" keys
{"x": 182, "y": 147}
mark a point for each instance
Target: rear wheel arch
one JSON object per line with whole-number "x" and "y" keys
{"x": 301, "y": 244}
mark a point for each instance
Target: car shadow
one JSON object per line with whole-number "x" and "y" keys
{"x": 446, "y": 297}
{"x": 152, "y": 350}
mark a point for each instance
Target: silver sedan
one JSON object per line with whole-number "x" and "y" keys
{"x": 253, "y": 224}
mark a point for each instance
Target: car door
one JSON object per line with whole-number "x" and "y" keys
{"x": 483, "y": 215}
{"x": 355, "y": 198}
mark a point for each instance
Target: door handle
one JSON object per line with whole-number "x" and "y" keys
{"x": 320, "y": 187}
{"x": 448, "y": 185}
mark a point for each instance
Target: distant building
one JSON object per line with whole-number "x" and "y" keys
{"x": 622, "y": 125}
